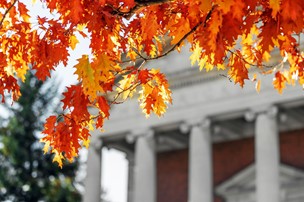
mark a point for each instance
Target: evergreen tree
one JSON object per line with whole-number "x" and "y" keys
{"x": 26, "y": 174}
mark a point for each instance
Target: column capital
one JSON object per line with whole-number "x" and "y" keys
{"x": 273, "y": 111}
{"x": 130, "y": 157}
{"x": 270, "y": 110}
{"x": 141, "y": 132}
{"x": 96, "y": 144}
{"x": 202, "y": 122}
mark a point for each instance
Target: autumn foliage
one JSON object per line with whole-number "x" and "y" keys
{"x": 232, "y": 35}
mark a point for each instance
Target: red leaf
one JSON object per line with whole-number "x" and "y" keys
{"x": 99, "y": 122}
{"x": 49, "y": 125}
{"x": 104, "y": 106}
{"x": 144, "y": 76}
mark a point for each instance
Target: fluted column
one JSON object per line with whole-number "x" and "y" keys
{"x": 93, "y": 179}
{"x": 267, "y": 157}
{"x": 200, "y": 163}
{"x": 145, "y": 168}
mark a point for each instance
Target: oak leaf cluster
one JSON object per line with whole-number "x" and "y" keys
{"x": 232, "y": 35}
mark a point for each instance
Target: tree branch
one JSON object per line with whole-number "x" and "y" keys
{"x": 204, "y": 22}
{"x": 254, "y": 65}
{"x": 7, "y": 11}
{"x": 139, "y": 4}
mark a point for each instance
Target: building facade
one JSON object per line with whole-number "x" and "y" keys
{"x": 218, "y": 142}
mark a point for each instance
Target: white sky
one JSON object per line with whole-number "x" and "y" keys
{"x": 114, "y": 163}
{"x": 114, "y": 175}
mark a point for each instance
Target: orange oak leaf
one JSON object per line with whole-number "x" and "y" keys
{"x": 238, "y": 70}
{"x": 76, "y": 10}
{"x": 275, "y": 6}
{"x": 205, "y": 5}
{"x": 155, "y": 94}
{"x": 279, "y": 82}
{"x": 76, "y": 101}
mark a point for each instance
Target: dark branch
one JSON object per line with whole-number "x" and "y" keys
{"x": 183, "y": 38}
{"x": 254, "y": 65}
{"x": 7, "y": 11}
{"x": 139, "y": 4}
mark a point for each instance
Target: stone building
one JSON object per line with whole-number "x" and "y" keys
{"x": 218, "y": 142}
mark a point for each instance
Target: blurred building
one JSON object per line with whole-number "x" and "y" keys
{"x": 218, "y": 142}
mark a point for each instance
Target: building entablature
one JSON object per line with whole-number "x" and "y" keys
{"x": 224, "y": 104}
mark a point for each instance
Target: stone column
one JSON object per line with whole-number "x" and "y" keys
{"x": 267, "y": 157}
{"x": 145, "y": 168}
{"x": 200, "y": 163}
{"x": 130, "y": 158}
{"x": 93, "y": 179}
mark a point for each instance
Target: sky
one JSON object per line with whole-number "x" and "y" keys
{"x": 114, "y": 163}
{"x": 114, "y": 175}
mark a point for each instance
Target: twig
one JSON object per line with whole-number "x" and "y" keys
{"x": 179, "y": 42}
{"x": 254, "y": 65}
{"x": 7, "y": 11}
{"x": 139, "y": 4}
{"x": 228, "y": 77}
{"x": 186, "y": 35}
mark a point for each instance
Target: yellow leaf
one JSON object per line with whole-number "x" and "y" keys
{"x": 132, "y": 55}
{"x": 153, "y": 51}
{"x": 248, "y": 38}
{"x": 9, "y": 70}
{"x": 86, "y": 143}
{"x": 126, "y": 86}
{"x": 86, "y": 75}
{"x": 73, "y": 41}
{"x": 80, "y": 27}
{"x": 208, "y": 67}
{"x": 16, "y": 68}
{"x": 254, "y": 78}
{"x": 202, "y": 62}
{"x": 90, "y": 123}
{"x": 83, "y": 66}
{"x": 104, "y": 67}
{"x": 94, "y": 75}
{"x": 205, "y": 64}
{"x": 58, "y": 158}
{"x": 220, "y": 67}
{"x": 46, "y": 147}
{"x": 196, "y": 54}
{"x": 159, "y": 106}
{"x": 258, "y": 86}
{"x": 266, "y": 56}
